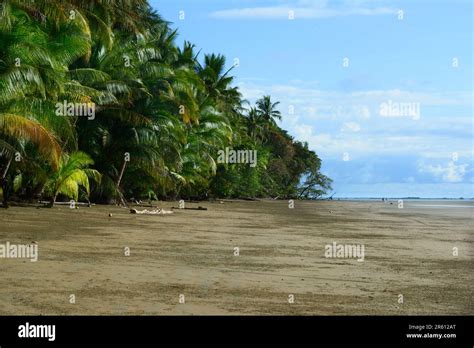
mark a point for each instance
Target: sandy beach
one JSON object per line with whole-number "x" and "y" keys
{"x": 281, "y": 252}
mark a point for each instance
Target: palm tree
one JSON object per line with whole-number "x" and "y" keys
{"x": 72, "y": 174}
{"x": 217, "y": 82}
{"x": 267, "y": 110}
{"x": 254, "y": 124}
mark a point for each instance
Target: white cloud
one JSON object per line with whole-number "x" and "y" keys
{"x": 251, "y": 92}
{"x": 303, "y": 130}
{"x": 449, "y": 173}
{"x": 350, "y": 127}
{"x": 334, "y": 122}
{"x": 334, "y": 146}
{"x": 361, "y": 102}
{"x": 304, "y": 10}
{"x": 410, "y": 179}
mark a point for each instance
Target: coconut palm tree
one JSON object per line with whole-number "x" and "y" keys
{"x": 268, "y": 112}
{"x": 73, "y": 173}
{"x": 254, "y": 125}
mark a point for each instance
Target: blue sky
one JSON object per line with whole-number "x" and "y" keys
{"x": 337, "y": 64}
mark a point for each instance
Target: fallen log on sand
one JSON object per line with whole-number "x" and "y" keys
{"x": 68, "y": 203}
{"x": 151, "y": 212}
{"x": 198, "y": 208}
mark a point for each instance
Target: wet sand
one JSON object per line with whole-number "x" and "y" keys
{"x": 408, "y": 252}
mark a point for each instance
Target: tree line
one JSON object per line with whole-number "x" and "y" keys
{"x": 99, "y": 103}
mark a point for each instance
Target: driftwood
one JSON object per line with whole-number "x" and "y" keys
{"x": 151, "y": 212}
{"x": 198, "y": 208}
{"x": 68, "y": 203}
{"x": 144, "y": 205}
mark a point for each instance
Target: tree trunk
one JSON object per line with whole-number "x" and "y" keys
{"x": 52, "y": 201}
{"x": 4, "y": 183}
{"x": 122, "y": 201}
{"x": 121, "y": 174}
{"x": 5, "y": 193}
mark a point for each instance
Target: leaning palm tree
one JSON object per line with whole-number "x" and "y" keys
{"x": 72, "y": 174}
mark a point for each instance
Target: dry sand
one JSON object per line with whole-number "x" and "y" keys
{"x": 408, "y": 251}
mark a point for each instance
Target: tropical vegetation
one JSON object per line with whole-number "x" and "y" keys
{"x": 160, "y": 112}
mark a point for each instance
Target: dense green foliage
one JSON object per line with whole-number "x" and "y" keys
{"x": 161, "y": 113}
